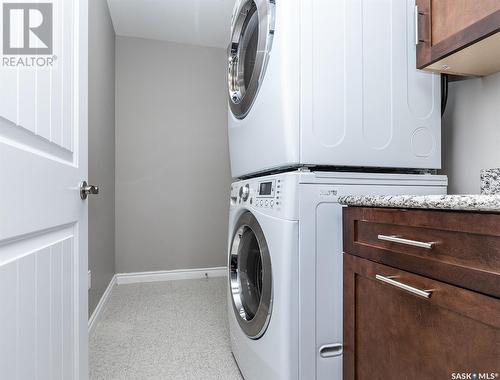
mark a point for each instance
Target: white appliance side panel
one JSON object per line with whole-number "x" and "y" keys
{"x": 363, "y": 102}
{"x": 268, "y": 137}
{"x": 320, "y": 270}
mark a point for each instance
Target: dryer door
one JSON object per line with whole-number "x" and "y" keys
{"x": 250, "y": 276}
{"x": 248, "y": 53}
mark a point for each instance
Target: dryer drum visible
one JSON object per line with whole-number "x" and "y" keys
{"x": 250, "y": 276}
{"x": 248, "y": 53}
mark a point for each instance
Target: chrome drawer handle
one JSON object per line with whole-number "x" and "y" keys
{"x": 389, "y": 280}
{"x": 330, "y": 350}
{"x": 413, "y": 243}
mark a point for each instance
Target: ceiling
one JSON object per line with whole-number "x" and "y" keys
{"x": 195, "y": 22}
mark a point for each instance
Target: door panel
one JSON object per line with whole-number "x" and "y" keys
{"x": 26, "y": 100}
{"x": 43, "y": 221}
{"x": 37, "y": 324}
{"x": 8, "y": 276}
{"x": 37, "y": 318}
{"x": 40, "y": 100}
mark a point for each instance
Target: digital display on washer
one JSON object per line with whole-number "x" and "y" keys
{"x": 266, "y": 188}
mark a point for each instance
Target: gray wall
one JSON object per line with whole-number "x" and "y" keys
{"x": 471, "y": 132}
{"x": 172, "y": 164}
{"x": 101, "y": 149}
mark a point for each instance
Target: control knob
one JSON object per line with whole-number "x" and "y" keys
{"x": 244, "y": 192}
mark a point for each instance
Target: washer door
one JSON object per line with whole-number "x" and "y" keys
{"x": 248, "y": 52}
{"x": 250, "y": 276}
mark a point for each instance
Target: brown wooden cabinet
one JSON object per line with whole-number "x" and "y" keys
{"x": 401, "y": 324}
{"x": 458, "y": 36}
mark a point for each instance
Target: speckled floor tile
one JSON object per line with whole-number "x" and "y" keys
{"x": 165, "y": 330}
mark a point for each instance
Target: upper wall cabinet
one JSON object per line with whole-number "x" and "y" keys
{"x": 458, "y": 36}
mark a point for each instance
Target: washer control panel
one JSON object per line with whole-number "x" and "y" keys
{"x": 266, "y": 193}
{"x": 275, "y": 195}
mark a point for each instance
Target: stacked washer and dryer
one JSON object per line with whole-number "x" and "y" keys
{"x": 324, "y": 101}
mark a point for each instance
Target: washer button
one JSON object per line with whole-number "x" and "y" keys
{"x": 266, "y": 203}
{"x": 272, "y": 203}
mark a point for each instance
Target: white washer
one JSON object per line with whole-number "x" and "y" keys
{"x": 285, "y": 268}
{"x": 329, "y": 83}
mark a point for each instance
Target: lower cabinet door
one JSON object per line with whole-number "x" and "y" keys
{"x": 398, "y": 325}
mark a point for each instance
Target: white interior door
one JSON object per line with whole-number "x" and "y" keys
{"x": 43, "y": 221}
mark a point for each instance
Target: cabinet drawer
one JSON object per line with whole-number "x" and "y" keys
{"x": 456, "y": 247}
{"x": 393, "y": 331}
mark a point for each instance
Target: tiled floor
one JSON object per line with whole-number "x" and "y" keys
{"x": 164, "y": 330}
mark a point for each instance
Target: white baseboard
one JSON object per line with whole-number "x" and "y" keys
{"x": 169, "y": 275}
{"x": 102, "y": 302}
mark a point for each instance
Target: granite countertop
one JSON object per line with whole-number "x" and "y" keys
{"x": 489, "y": 200}
{"x": 438, "y": 202}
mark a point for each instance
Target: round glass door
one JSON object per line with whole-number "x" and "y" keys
{"x": 250, "y": 277}
{"x": 251, "y": 41}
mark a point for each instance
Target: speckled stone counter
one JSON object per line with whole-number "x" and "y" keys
{"x": 439, "y": 202}
{"x": 490, "y": 181}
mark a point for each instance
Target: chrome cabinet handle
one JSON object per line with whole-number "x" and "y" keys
{"x": 86, "y": 189}
{"x": 417, "y": 34}
{"x": 389, "y": 280}
{"x": 413, "y": 243}
{"x": 330, "y": 350}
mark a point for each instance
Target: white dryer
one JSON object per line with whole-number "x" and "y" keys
{"x": 329, "y": 83}
{"x": 285, "y": 269}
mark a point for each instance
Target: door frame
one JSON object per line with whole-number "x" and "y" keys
{"x": 81, "y": 92}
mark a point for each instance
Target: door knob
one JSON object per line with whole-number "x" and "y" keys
{"x": 86, "y": 189}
